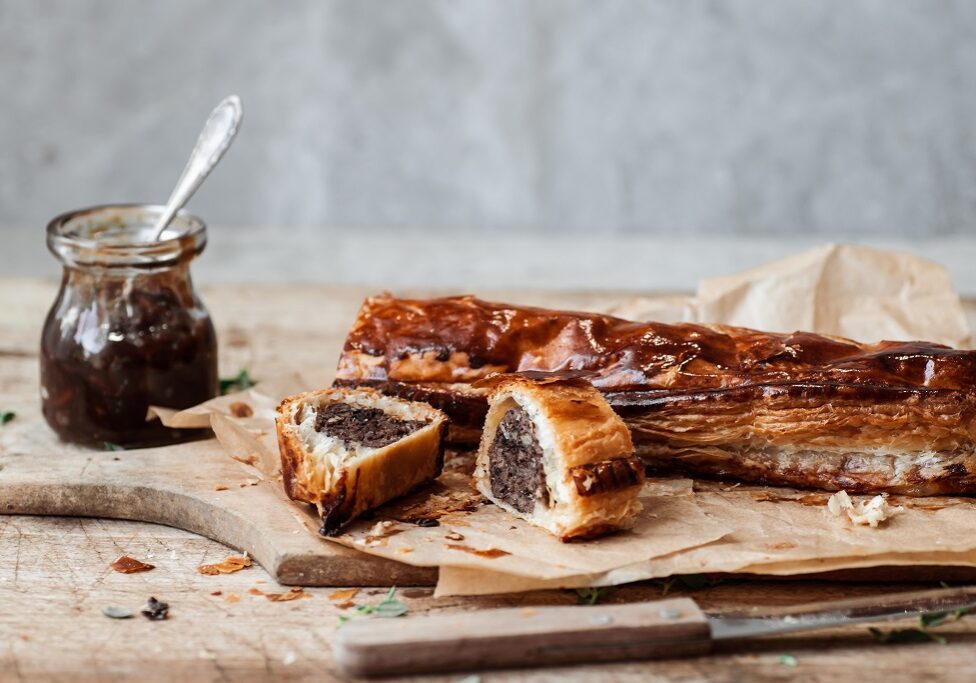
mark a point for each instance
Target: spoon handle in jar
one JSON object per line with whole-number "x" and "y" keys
{"x": 217, "y": 135}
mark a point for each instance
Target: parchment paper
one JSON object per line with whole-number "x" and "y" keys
{"x": 686, "y": 527}
{"x": 845, "y": 290}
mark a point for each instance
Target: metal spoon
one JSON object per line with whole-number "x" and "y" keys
{"x": 217, "y": 134}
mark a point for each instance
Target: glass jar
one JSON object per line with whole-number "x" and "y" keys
{"x": 127, "y": 330}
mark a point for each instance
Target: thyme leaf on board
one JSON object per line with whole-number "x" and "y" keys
{"x": 117, "y": 612}
{"x": 920, "y": 633}
{"x": 387, "y": 608}
{"x": 6, "y": 416}
{"x": 591, "y": 596}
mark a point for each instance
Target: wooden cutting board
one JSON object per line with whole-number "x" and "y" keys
{"x": 198, "y": 488}
{"x": 177, "y": 486}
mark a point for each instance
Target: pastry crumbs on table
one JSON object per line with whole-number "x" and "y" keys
{"x": 130, "y": 565}
{"x": 231, "y": 564}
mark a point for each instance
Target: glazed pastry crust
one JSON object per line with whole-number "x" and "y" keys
{"x": 592, "y": 478}
{"x": 786, "y": 409}
{"x": 343, "y": 483}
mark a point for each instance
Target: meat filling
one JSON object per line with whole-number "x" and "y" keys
{"x": 515, "y": 463}
{"x": 369, "y": 427}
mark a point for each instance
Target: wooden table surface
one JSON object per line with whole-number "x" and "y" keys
{"x": 55, "y": 579}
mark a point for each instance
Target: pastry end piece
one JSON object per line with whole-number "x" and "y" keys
{"x": 347, "y": 451}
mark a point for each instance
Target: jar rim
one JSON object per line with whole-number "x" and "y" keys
{"x": 117, "y": 235}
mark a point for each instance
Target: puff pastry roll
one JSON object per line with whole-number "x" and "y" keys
{"x": 350, "y": 450}
{"x": 555, "y": 454}
{"x": 794, "y": 409}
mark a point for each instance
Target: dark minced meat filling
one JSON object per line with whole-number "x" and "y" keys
{"x": 515, "y": 462}
{"x": 370, "y": 427}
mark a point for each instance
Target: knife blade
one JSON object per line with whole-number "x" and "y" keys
{"x": 537, "y": 636}
{"x": 841, "y": 613}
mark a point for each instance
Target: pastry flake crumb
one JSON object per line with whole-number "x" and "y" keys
{"x": 232, "y": 597}
{"x": 865, "y": 513}
{"x": 295, "y": 593}
{"x": 343, "y": 594}
{"x": 231, "y": 564}
{"x": 130, "y": 565}
{"x": 241, "y": 409}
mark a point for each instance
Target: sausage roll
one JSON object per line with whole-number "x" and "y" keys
{"x": 350, "y": 450}
{"x": 555, "y": 454}
{"x": 794, "y": 409}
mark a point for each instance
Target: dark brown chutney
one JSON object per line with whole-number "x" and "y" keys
{"x": 118, "y": 341}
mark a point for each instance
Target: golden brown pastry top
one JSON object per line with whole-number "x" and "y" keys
{"x": 462, "y": 339}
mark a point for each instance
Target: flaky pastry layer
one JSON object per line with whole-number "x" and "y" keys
{"x": 714, "y": 392}
{"x": 591, "y": 480}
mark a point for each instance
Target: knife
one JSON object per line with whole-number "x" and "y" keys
{"x": 537, "y": 636}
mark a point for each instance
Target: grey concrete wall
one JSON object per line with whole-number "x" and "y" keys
{"x": 850, "y": 118}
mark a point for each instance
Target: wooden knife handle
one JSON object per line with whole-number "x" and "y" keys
{"x": 531, "y": 636}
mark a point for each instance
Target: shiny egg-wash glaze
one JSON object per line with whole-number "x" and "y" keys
{"x": 794, "y": 409}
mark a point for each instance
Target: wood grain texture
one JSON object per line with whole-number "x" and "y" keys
{"x": 176, "y": 486}
{"x": 55, "y": 579}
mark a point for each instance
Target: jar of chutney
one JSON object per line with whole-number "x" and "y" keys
{"x": 127, "y": 330}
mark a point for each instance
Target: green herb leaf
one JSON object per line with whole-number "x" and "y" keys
{"x": 591, "y": 596}
{"x": 117, "y": 612}
{"x": 934, "y": 619}
{"x": 6, "y": 416}
{"x": 391, "y": 609}
{"x": 109, "y": 446}
{"x": 239, "y": 383}
{"x": 788, "y": 660}
{"x": 667, "y": 584}
{"x": 905, "y": 635}
{"x": 919, "y": 634}
{"x": 388, "y": 608}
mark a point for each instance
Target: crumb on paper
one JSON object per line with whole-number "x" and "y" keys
{"x": 404, "y": 550}
{"x": 866, "y": 513}
{"x": 454, "y": 536}
{"x": 130, "y": 565}
{"x": 250, "y": 482}
{"x": 254, "y": 591}
{"x": 231, "y": 564}
{"x": 216, "y": 592}
{"x": 219, "y": 487}
{"x": 343, "y": 594}
{"x": 241, "y": 409}
{"x": 526, "y": 612}
{"x": 232, "y": 597}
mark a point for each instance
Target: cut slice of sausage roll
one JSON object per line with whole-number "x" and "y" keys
{"x": 554, "y": 453}
{"x": 350, "y": 450}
